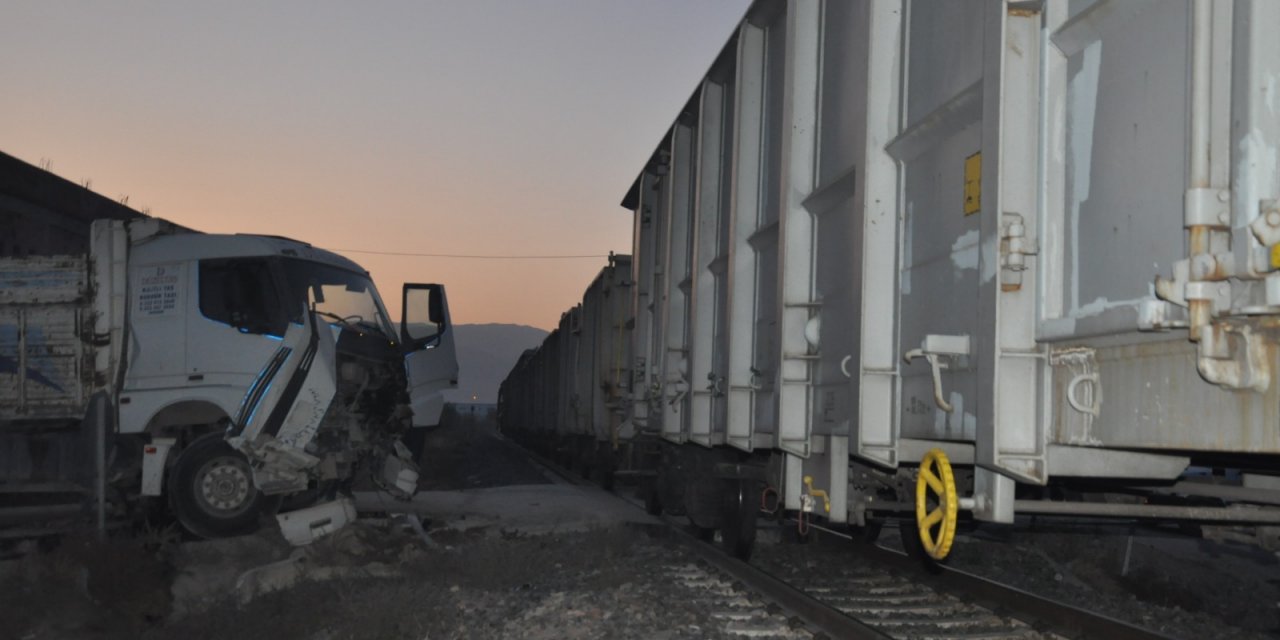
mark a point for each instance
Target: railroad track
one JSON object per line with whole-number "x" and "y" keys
{"x": 735, "y": 609}
{"x": 897, "y": 595}
{"x": 863, "y": 592}
{"x": 900, "y": 607}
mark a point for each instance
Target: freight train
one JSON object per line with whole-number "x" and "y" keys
{"x": 943, "y": 262}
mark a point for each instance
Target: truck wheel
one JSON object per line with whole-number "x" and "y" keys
{"x": 211, "y": 490}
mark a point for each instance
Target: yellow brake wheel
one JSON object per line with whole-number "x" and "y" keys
{"x": 937, "y": 525}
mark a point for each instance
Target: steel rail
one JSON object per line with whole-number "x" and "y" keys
{"x": 1043, "y": 614}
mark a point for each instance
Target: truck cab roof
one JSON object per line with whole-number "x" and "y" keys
{"x": 197, "y": 246}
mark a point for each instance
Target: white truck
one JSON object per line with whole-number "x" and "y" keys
{"x": 226, "y": 373}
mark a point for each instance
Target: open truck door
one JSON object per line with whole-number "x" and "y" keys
{"x": 431, "y": 360}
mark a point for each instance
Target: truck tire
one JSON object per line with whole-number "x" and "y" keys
{"x": 211, "y": 490}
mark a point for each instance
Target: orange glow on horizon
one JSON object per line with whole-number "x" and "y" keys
{"x": 481, "y": 127}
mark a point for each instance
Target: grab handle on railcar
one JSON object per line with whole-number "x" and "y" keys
{"x": 933, "y": 349}
{"x": 1092, "y": 407}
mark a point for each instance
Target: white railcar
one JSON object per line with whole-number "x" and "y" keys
{"x": 926, "y": 258}
{"x": 568, "y": 399}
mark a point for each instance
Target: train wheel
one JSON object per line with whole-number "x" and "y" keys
{"x": 738, "y": 520}
{"x": 910, "y": 535}
{"x": 606, "y": 476}
{"x": 867, "y": 533}
{"x": 606, "y": 464}
{"x": 937, "y": 505}
{"x": 703, "y": 502}
{"x": 585, "y": 452}
{"x": 652, "y": 501}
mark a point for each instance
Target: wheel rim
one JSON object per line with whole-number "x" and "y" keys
{"x": 224, "y": 486}
{"x": 937, "y": 505}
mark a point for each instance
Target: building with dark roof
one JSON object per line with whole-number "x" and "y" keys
{"x": 44, "y": 214}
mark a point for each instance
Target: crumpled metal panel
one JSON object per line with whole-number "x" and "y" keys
{"x": 283, "y": 409}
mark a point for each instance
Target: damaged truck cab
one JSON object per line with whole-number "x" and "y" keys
{"x": 247, "y": 371}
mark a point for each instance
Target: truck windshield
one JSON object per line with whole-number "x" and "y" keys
{"x": 340, "y": 296}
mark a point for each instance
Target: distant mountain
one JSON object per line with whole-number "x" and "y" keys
{"x": 486, "y": 353}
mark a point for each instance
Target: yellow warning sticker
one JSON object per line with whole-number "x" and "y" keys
{"x": 1275, "y": 256}
{"x": 973, "y": 184}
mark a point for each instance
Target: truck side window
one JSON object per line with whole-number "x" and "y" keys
{"x": 240, "y": 292}
{"x": 422, "y": 317}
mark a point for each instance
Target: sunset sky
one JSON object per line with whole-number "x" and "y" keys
{"x": 467, "y": 127}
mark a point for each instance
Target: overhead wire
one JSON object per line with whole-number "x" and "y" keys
{"x": 596, "y": 256}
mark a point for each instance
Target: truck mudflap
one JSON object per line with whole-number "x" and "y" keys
{"x": 282, "y": 410}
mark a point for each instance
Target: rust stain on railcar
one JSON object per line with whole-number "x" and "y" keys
{"x": 973, "y": 184}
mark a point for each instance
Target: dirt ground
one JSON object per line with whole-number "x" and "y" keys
{"x": 506, "y": 554}
{"x": 586, "y": 585}
{"x": 466, "y": 455}
{"x": 84, "y": 588}
{"x": 604, "y": 583}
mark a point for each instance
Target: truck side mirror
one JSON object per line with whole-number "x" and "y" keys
{"x": 423, "y": 316}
